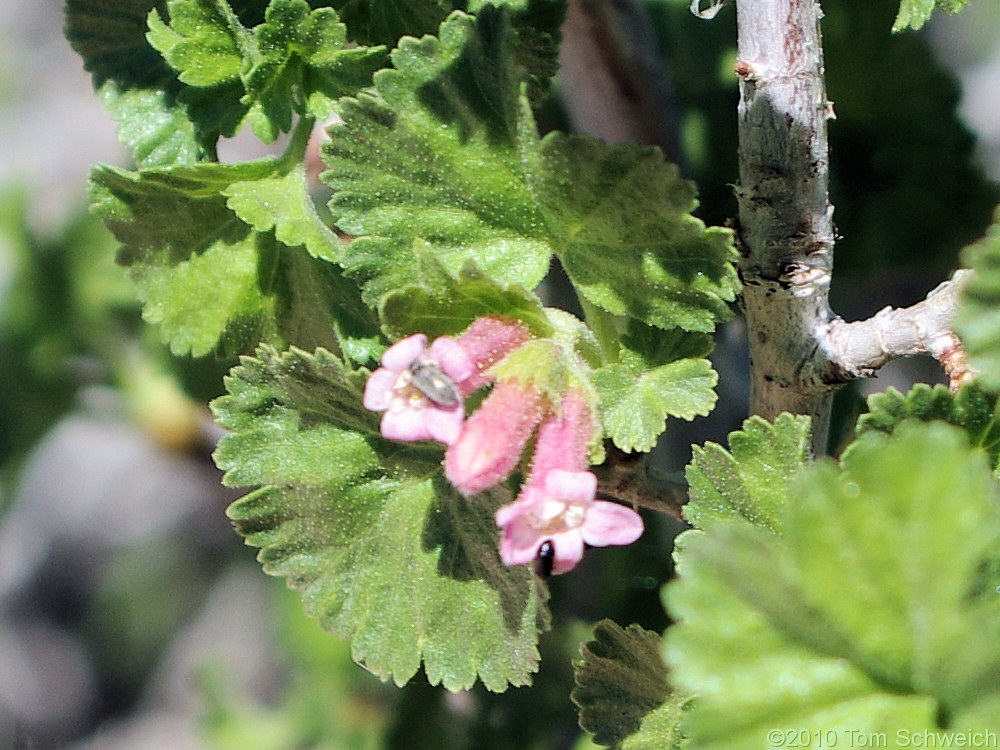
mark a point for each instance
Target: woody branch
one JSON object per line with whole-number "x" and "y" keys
{"x": 799, "y": 351}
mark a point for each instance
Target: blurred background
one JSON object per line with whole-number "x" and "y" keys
{"x": 133, "y": 617}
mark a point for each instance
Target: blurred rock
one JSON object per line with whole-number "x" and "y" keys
{"x": 95, "y": 484}
{"x": 232, "y": 637}
{"x": 96, "y": 496}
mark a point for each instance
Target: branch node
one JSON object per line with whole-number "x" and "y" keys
{"x": 750, "y": 70}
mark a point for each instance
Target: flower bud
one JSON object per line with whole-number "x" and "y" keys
{"x": 486, "y": 342}
{"x": 492, "y": 439}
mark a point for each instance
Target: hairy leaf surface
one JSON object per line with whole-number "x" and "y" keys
{"x": 385, "y": 21}
{"x": 619, "y": 681}
{"x": 431, "y": 163}
{"x": 635, "y": 404}
{"x": 619, "y": 219}
{"x": 294, "y": 63}
{"x": 750, "y": 482}
{"x": 973, "y": 408}
{"x": 282, "y": 202}
{"x": 446, "y": 159}
{"x": 137, "y": 87}
{"x": 209, "y": 279}
{"x": 450, "y": 304}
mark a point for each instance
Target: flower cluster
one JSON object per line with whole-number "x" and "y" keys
{"x": 421, "y": 391}
{"x": 557, "y": 510}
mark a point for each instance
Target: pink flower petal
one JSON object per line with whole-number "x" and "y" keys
{"x": 519, "y": 544}
{"x": 525, "y": 530}
{"x": 444, "y": 425}
{"x": 571, "y": 486}
{"x": 409, "y": 413}
{"x": 506, "y": 514}
{"x": 568, "y": 551}
{"x": 610, "y": 524}
{"x": 405, "y": 424}
{"x": 452, "y": 358}
{"x": 378, "y": 389}
{"x": 401, "y": 355}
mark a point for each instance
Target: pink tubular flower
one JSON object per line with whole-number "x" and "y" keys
{"x": 487, "y": 341}
{"x": 493, "y": 438}
{"x": 563, "y": 513}
{"x": 557, "y": 514}
{"x": 563, "y": 437}
{"x": 417, "y": 388}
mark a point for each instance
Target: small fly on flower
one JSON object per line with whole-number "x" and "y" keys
{"x": 428, "y": 378}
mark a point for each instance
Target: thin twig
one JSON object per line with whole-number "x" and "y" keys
{"x": 857, "y": 349}
{"x": 628, "y": 477}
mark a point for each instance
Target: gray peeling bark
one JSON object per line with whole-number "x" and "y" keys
{"x": 799, "y": 351}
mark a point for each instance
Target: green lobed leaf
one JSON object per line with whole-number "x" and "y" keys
{"x": 446, "y": 159}
{"x": 200, "y": 41}
{"x": 657, "y": 374}
{"x": 385, "y": 21}
{"x": 914, "y": 13}
{"x": 430, "y": 163}
{"x": 865, "y": 616}
{"x": 137, "y": 87}
{"x": 619, "y": 681}
{"x": 318, "y": 305}
{"x": 978, "y": 319}
{"x": 749, "y": 483}
{"x": 299, "y": 52}
{"x": 193, "y": 262}
{"x": 153, "y": 125}
{"x": 294, "y": 63}
{"x": 537, "y": 25}
{"x": 213, "y": 283}
{"x": 973, "y": 408}
{"x": 381, "y": 549}
{"x": 199, "y": 69}
{"x": 282, "y": 202}
{"x": 645, "y": 347}
{"x": 619, "y": 219}
{"x": 635, "y": 405}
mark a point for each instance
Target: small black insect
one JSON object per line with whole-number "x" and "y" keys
{"x": 545, "y": 559}
{"x": 434, "y": 384}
